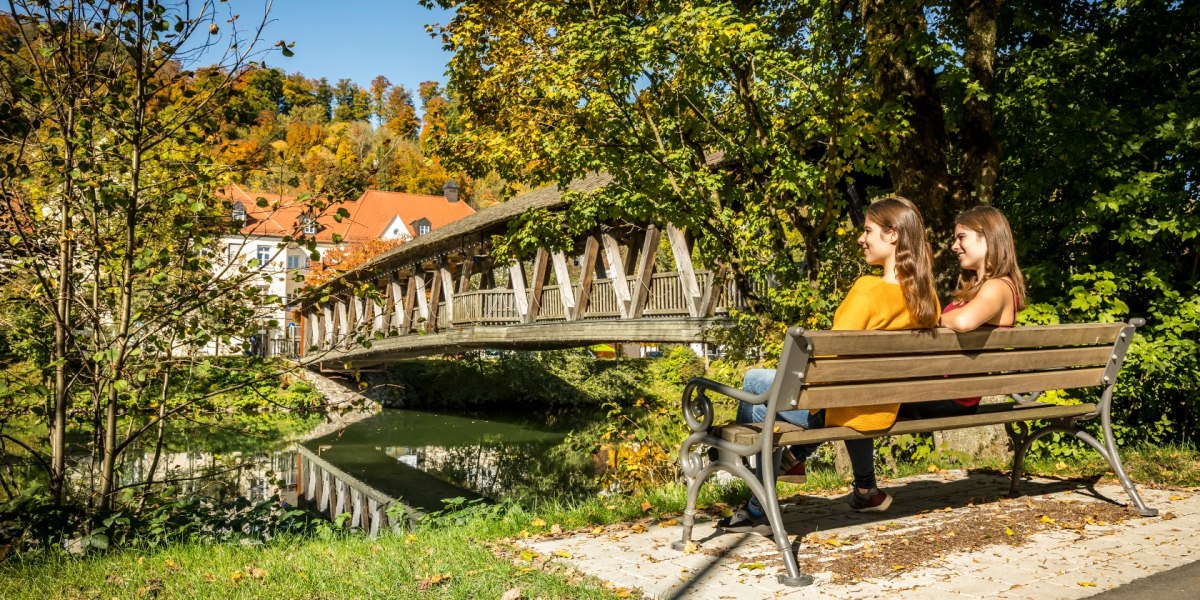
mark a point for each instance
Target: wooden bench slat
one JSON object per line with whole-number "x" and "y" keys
{"x": 846, "y": 343}
{"x": 941, "y": 388}
{"x": 834, "y": 369}
{"x": 989, "y": 414}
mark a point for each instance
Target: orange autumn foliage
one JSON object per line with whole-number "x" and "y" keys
{"x": 342, "y": 259}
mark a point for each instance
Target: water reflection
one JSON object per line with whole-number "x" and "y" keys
{"x": 424, "y": 457}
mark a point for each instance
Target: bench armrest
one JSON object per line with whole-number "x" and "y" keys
{"x": 724, "y": 390}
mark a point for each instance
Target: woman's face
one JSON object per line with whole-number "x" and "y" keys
{"x": 878, "y": 244}
{"x": 970, "y": 248}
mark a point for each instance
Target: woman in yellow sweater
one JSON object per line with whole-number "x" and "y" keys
{"x": 903, "y": 297}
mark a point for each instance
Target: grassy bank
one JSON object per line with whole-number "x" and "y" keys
{"x": 469, "y": 553}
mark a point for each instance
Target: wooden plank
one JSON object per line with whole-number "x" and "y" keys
{"x": 516, "y": 278}
{"x": 447, "y": 289}
{"x": 465, "y": 270}
{"x": 396, "y": 292}
{"x": 827, "y": 370}
{"x": 388, "y": 312}
{"x": 422, "y": 300}
{"x": 566, "y": 289}
{"x": 537, "y": 281}
{"x": 989, "y": 414}
{"x": 923, "y": 390}
{"x": 435, "y": 299}
{"x": 591, "y": 251}
{"x": 339, "y": 320}
{"x": 712, "y": 292}
{"x": 945, "y": 340}
{"x": 645, "y": 270}
{"x": 410, "y": 305}
{"x": 327, "y": 325}
{"x": 616, "y": 273}
{"x": 683, "y": 266}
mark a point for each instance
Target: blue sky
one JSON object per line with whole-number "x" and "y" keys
{"x": 355, "y": 39}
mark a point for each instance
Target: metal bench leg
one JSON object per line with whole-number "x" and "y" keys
{"x": 770, "y": 502}
{"x": 1108, "y": 452}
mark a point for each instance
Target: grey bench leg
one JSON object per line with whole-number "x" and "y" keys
{"x": 1109, "y": 452}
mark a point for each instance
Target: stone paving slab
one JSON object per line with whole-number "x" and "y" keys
{"x": 1052, "y": 564}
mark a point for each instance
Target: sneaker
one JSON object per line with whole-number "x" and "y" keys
{"x": 741, "y": 521}
{"x": 790, "y": 469}
{"x": 876, "y": 500}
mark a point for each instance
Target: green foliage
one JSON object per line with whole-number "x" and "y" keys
{"x": 678, "y": 366}
{"x": 558, "y": 378}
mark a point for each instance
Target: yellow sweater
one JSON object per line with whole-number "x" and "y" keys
{"x": 870, "y": 304}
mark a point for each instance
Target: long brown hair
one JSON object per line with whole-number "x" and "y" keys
{"x": 914, "y": 257}
{"x": 1001, "y": 259}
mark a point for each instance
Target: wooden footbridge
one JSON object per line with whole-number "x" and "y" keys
{"x": 444, "y": 293}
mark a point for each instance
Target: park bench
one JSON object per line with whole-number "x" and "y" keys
{"x": 825, "y": 369}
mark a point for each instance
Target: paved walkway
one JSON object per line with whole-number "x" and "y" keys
{"x": 1073, "y": 554}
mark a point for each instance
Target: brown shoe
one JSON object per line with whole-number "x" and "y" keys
{"x": 875, "y": 500}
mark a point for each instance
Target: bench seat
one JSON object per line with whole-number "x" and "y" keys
{"x": 787, "y": 434}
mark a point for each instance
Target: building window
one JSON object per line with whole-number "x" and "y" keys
{"x": 232, "y": 251}
{"x": 293, "y": 261}
{"x": 263, "y": 255}
{"x": 421, "y": 226}
{"x": 238, "y": 212}
{"x": 308, "y": 224}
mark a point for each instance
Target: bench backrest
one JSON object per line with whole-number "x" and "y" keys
{"x": 824, "y": 369}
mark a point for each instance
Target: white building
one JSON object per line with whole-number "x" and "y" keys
{"x": 261, "y": 241}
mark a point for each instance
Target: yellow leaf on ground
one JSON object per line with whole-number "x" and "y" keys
{"x": 668, "y": 523}
{"x": 257, "y": 573}
{"x": 932, "y": 468}
{"x": 638, "y": 528}
{"x": 555, "y": 529}
{"x": 610, "y": 507}
{"x": 410, "y": 538}
{"x": 898, "y": 567}
{"x": 646, "y": 506}
{"x": 1087, "y": 584}
{"x": 1008, "y": 531}
{"x": 1177, "y": 498}
{"x": 1060, "y": 466}
{"x": 237, "y": 576}
{"x": 562, "y": 554}
{"x": 690, "y": 548}
{"x": 171, "y": 564}
{"x": 598, "y": 530}
{"x": 537, "y": 523}
{"x": 528, "y": 555}
{"x": 1047, "y": 520}
{"x": 754, "y": 566}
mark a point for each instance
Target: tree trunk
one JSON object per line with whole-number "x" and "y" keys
{"x": 980, "y": 150}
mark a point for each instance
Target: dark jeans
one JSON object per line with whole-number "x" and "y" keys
{"x": 862, "y": 452}
{"x": 937, "y": 408}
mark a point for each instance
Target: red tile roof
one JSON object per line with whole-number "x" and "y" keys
{"x": 369, "y": 214}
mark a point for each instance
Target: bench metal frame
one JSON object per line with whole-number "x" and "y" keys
{"x": 798, "y": 384}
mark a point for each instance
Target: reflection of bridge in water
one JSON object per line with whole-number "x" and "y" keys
{"x": 444, "y": 293}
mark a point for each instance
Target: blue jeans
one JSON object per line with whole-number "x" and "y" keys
{"x": 862, "y": 452}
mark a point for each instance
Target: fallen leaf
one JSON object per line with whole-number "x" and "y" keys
{"x": 668, "y": 523}
{"x": 171, "y": 564}
{"x": 898, "y": 567}
{"x": 638, "y": 528}
{"x": 237, "y": 576}
{"x": 1008, "y": 531}
{"x": 1177, "y": 498}
{"x": 1087, "y": 584}
{"x": 562, "y": 554}
{"x": 555, "y": 529}
{"x": 754, "y": 566}
{"x": 598, "y": 530}
{"x": 646, "y": 506}
{"x": 1047, "y": 520}
{"x": 690, "y": 548}
{"x": 1060, "y": 466}
{"x": 537, "y": 522}
{"x": 410, "y": 538}
{"x": 932, "y": 468}
{"x": 257, "y": 573}
{"x": 209, "y": 577}
{"x": 528, "y": 555}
